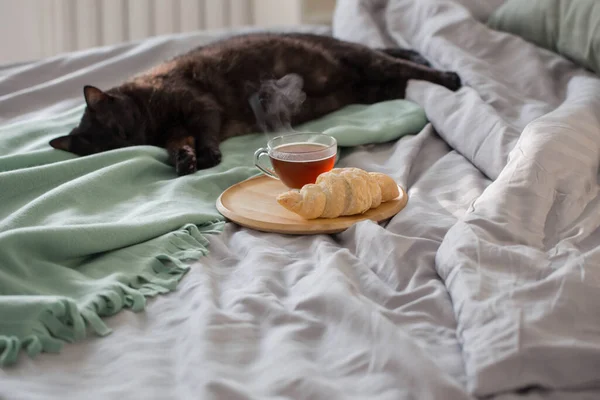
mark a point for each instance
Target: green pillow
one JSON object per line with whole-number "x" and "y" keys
{"x": 568, "y": 27}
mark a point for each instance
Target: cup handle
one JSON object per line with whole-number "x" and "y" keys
{"x": 267, "y": 171}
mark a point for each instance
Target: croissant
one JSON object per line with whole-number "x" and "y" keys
{"x": 339, "y": 192}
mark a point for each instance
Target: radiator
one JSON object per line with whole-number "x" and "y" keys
{"x": 69, "y": 25}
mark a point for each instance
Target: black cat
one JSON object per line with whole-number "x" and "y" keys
{"x": 191, "y": 103}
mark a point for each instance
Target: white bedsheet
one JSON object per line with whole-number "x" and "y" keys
{"x": 487, "y": 283}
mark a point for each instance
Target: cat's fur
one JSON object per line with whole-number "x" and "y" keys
{"x": 189, "y": 104}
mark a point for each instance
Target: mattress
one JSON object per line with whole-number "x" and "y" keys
{"x": 485, "y": 286}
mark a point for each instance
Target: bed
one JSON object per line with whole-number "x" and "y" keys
{"x": 486, "y": 285}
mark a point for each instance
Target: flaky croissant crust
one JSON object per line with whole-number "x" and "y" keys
{"x": 340, "y": 192}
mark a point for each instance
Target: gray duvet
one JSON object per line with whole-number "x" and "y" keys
{"x": 487, "y": 285}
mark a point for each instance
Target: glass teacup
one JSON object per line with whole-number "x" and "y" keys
{"x": 298, "y": 158}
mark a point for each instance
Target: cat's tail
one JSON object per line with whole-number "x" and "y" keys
{"x": 405, "y": 54}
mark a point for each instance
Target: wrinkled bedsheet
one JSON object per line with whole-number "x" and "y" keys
{"x": 486, "y": 285}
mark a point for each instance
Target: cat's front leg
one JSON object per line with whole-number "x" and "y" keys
{"x": 206, "y": 128}
{"x": 207, "y": 154}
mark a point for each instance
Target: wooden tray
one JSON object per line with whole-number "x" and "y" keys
{"x": 252, "y": 204}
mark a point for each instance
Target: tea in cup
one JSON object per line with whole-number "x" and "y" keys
{"x": 298, "y": 158}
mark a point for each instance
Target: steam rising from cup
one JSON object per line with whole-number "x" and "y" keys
{"x": 276, "y": 102}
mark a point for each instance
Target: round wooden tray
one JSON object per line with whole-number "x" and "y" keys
{"x": 252, "y": 204}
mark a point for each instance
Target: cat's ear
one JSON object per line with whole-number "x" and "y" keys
{"x": 62, "y": 143}
{"x": 94, "y": 97}
{"x": 76, "y": 144}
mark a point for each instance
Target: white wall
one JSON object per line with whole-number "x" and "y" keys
{"x": 34, "y": 29}
{"x": 20, "y": 30}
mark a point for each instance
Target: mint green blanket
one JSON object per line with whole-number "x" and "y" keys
{"x": 82, "y": 238}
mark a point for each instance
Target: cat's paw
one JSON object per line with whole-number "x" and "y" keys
{"x": 452, "y": 81}
{"x": 185, "y": 162}
{"x": 208, "y": 157}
